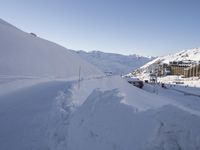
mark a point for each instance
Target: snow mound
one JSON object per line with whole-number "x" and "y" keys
{"x": 103, "y": 122}
{"x": 22, "y": 54}
{"x": 101, "y": 113}
{"x": 119, "y": 116}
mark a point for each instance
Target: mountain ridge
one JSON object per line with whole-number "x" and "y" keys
{"x": 183, "y": 55}
{"x": 116, "y": 63}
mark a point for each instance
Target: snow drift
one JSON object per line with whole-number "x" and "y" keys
{"x": 23, "y": 54}
{"x": 99, "y": 113}
{"x": 113, "y": 115}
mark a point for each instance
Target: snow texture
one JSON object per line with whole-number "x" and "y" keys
{"x": 40, "y": 111}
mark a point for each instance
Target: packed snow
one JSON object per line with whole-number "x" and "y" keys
{"x": 101, "y": 113}
{"x": 54, "y": 109}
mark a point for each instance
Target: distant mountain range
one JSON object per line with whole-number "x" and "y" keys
{"x": 116, "y": 63}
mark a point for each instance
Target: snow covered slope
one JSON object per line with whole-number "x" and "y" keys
{"x": 111, "y": 114}
{"x": 191, "y": 54}
{"x": 99, "y": 113}
{"x": 104, "y": 113}
{"x": 23, "y": 54}
{"x": 184, "y": 55}
{"x": 115, "y": 63}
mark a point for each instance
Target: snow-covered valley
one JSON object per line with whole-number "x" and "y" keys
{"x": 51, "y": 99}
{"x": 115, "y": 63}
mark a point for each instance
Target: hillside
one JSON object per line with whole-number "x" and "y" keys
{"x": 97, "y": 113}
{"x": 184, "y": 55}
{"x": 115, "y": 63}
{"x": 23, "y": 54}
{"x": 191, "y": 54}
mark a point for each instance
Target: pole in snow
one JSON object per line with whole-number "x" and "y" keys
{"x": 79, "y": 76}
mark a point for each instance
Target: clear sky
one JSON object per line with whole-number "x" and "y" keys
{"x": 145, "y": 27}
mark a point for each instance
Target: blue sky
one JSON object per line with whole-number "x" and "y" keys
{"x": 145, "y": 27}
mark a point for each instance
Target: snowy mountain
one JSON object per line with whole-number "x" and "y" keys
{"x": 24, "y": 54}
{"x": 184, "y": 55}
{"x": 115, "y": 63}
{"x": 97, "y": 113}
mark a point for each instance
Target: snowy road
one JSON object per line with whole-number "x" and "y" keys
{"x": 187, "y": 102}
{"x": 23, "y": 116}
{"x": 186, "y": 91}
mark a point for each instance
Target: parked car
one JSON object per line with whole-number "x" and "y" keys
{"x": 178, "y": 82}
{"x": 108, "y": 73}
{"x": 135, "y": 81}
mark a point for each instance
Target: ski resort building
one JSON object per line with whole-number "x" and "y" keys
{"x": 192, "y": 71}
{"x": 183, "y": 68}
{"x": 179, "y": 67}
{"x": 164, "y": 70}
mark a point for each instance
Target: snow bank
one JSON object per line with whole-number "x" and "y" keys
{"x": 22, "y": 54}
{"x": 103, "y": 122}
{"x": 101, "y": 113}
{"x": 25, "y": 116}
{"x": 119, "y": 116}
{"x": 131, "y": 95}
